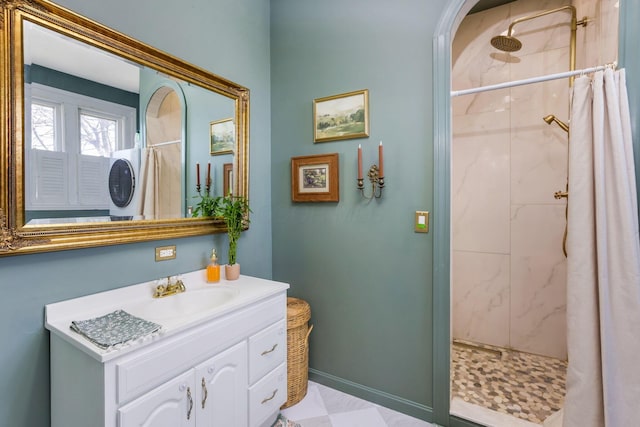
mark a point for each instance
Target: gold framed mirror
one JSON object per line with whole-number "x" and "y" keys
{"x": 52, "y": 193}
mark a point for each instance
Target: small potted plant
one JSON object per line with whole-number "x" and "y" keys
{"x": 234, "y": 210}
{"x": 207, "y": 205}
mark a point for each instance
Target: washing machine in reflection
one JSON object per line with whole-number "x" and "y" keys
{"x": 124, "y": 191}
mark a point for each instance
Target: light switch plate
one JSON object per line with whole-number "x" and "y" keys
{"x": 421, "y": 222}
{"x": 164, "y": 253}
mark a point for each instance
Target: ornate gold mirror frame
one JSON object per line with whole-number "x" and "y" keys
{"x": 15, "y": 238}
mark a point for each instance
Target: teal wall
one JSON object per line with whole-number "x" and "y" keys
{"x": 229, "y": 37}
{"x": 365, "y": 273}
{"x": 380, "y": 320}
{"x": 629, "y": 37}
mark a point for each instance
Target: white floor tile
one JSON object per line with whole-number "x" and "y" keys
{"x": 336, "y": 401}
{"x": 397, "y": 419}
{"x": 326, "y": 407}
{"x": 310, "y": 407}
{"x": 360, "y": 418}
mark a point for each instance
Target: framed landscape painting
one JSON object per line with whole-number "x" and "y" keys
{"x": 222, "y": 136}
{"x": 343, "y": 116}
{"x": 315, "y": 178}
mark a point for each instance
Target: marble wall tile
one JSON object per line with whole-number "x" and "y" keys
{"x": 539, "y": 151}
{"x": 480, "y": 297}
{"x": 588, "y": 35}
{"x": 530, "y": 103}
{"x": 539, "y": 166}
{"x": 494, "y": 101}
{"x": 608, "y": 29}
{"x": 528, "y": 161}
{"x": 543, "y": 33}
{"x": 597, "y": 42}
{"x": 475, "y": 63}
{"x": 480, "y": 183}
{"x": 538, "y": 280}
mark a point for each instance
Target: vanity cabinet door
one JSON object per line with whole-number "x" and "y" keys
{"x": 170, "y": 405}
{"x": 221, "y": 389}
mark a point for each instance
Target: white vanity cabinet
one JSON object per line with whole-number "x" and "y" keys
{"x": 224, "y": 368}
{"x": 212, "y": 394}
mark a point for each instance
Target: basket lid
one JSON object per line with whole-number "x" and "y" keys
{"x": 298, "y": 312}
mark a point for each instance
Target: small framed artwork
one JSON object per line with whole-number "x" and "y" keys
{"x": 343, "y": 116}
{"x": 222, "y": 136}
{"x": 315, "y": 178}
{"x": 227, "y": 178}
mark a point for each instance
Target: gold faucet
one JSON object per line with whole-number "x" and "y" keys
{"x": 170, "y": 288}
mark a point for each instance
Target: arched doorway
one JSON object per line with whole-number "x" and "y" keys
{"x": 443, "y": 38}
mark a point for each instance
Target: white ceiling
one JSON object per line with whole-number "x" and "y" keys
{"x": 56, "y": 51}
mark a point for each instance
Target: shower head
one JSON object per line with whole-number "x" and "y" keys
{"x": 506, "y": 43}
{"x": 509, "y": 43}
{"x": 551, "y": 118}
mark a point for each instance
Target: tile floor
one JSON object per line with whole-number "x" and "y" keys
{"x": 522, "y": 385}
{"x": 326, "y": 407}
{"x": 495, "y": 388}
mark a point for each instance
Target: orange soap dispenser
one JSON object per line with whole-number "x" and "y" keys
{"x": 213, "y": 269}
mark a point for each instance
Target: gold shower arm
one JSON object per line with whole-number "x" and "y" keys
{"x": 574, "y": 27}
{"x": 574, "y": 23}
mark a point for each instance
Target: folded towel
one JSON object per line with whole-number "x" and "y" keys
{"x": 115, "y": 328}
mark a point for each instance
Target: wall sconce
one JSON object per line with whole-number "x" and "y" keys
{"x": 375, "y": 174}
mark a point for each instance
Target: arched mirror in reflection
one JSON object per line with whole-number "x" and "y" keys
{"x": 161, "y": 181}
{"x": 79, "y": 98}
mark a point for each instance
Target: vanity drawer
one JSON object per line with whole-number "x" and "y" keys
{"x": 267, "y": 349}
{"x": 267, "y": 395}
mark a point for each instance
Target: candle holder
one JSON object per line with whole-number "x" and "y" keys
{"x": 377, "y": 183}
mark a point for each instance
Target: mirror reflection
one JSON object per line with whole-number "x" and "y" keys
{"x": 161, "y": 172}
{"x": 107, "y": 139}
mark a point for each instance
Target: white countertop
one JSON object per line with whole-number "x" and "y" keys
{"x": 175, "y": 313}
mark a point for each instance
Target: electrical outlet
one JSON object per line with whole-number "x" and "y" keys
{"x": 421, "y": 223}
{"x": 164, "y": 253}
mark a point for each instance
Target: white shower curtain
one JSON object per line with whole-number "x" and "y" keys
{"x": 150, "y": 185}
{"x": 603, "y": 277}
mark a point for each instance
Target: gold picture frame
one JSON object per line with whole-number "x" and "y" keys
{"x": 344, "y": 116}
{"x": 315, "y": 178}
{"x": 222, "y": 136}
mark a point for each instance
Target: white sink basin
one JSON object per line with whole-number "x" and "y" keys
{"x": 183, "y": 304}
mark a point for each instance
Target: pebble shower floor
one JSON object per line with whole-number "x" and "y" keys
{"x": 522, "y": 385}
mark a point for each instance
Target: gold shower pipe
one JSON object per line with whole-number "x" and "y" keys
{"x": 574, "y": 28}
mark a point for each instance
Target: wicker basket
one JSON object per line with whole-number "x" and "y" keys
{"x": 298, "y": 315}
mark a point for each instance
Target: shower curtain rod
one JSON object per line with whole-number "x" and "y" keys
{"x": 166, "y": 143}
{"x": 532, "y": 80}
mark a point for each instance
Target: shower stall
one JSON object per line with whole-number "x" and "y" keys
{"x": 508, "y": 191}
